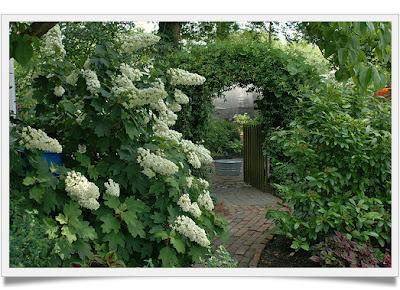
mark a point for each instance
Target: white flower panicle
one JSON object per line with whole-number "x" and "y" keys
{"x": 72, "y": 78}
{"x": 189, "y": 181}
{"x": 197, "y": 154}
{"x": 187, "y": 227}
{"x": 175, "y": 107}
{"x": 112, "y": 188}
{"x": 187, "y": 206}
{"x": 37, "y": 139}
{"x": 92, "y": 82}
{"x": 82, "y": 148}
{"x": 203, "y": 183}
{"x": 59, "y": 91}
{"x": 131, "y": 73}
{"x": 162, "y": 130}
{"x": 153, "y": 163}
{"x": 180, "y": 97}
{"x": 204, "y": 200}
{"x": 53, "y": 46}
{"x": 182, "y": 77}
{"x": 82, "y": 190}
{"x": 138, "y": 40}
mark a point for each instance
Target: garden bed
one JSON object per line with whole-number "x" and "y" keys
{"x": 277, "y": 253}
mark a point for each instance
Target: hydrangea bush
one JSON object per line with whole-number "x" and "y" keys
{"x": 127, "y": 184}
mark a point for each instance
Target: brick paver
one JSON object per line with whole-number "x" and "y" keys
{"x": 244, "y": 208}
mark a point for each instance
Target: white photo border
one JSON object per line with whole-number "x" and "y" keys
{"x": 6, "y": 271}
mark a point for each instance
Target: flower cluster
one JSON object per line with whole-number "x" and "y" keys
{"x": 131, "y": 73}
{"x": 133, "y": 97}
{"x": 189, "y": 181}
{"x": 175, "y": 107}
{"x": 82, "y": 148}
{"x": 203, "y": 183}
{"x": 187, "y": 227}
{"x": 84, "y": 191}
{"x": 182, "y": 77}
{"x": 72, "y": 78}
{"x": 187, "y": 206}
{"x": 197, "y": 154}
{"x": 138, "y": 40}
{"x": 112, "y": 188}
{"x": 59, "y": 91}
{"x": 205, "y": 200}
{"x": 153, "y": 163}
{"x": 180, "y": 97}
{"x": 162, "y": 130}
{"x": 92, "y": 82}
{"x": 37, "y": 139}
{"x": 53, "y": 47}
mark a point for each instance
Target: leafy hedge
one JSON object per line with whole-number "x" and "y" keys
{"x": 336, "y": 171}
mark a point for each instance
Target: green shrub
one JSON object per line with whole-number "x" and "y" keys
{"x": 223, "y": 139}
{"x": 220, "y": 258}
{"x": 337, "y": 170}
{"x": 125, "y": 180}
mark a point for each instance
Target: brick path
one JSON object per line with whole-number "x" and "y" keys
{"x": 244, "y": 208}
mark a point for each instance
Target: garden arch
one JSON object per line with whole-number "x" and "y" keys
{"x": 277, "y": 72}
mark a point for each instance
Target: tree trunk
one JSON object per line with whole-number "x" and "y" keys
{"x": 170, "y": 32}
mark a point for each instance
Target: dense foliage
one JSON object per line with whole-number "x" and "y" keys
{"x": 124, "y": 193}
{"x": 277, "y": 73}
{"x": 336, "y": 171}
{"x": 223, "y": 139}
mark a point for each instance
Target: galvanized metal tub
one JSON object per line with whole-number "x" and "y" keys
{"x": 228, "y": 167}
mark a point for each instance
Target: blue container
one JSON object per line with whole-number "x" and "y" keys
{"x": 54, "y": 158}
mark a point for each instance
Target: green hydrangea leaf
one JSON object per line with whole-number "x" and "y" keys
{"x": 168, "y": 257}
{"x": 110, "y": 223}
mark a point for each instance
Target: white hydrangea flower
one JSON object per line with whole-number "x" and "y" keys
{"x": 86, "y": 65}
{"x": 175, "y": 107}
{"x": 138, "y": 40}
{"x": 183, "y": 77}
{"x": 92, "y": 82}
{"x": 205, "y": 200}
{"x": 180, "y": 97}
{"x": 59, "y": 91}
{"x": 194, "y": 160}
{"x": 187, "y": 206}
{"x": 162, "y": 130}
{"x": 72, "y": 78}
{"x": 82, "y": 190}
{"x": 153, "y": 163}
{"x": 82, "y": 148}
{"x": 132, "y": 73}
{"x": 203, "y": 182}
{"x": 53, "y": 46}
{"x": 187, "y": 227}
{"x": 189, "y": 181}
{"x": 37, "y": 139}
{"x": 112, "y": 188}
{"x": 196, "y": 153}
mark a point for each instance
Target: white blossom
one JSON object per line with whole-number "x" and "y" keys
{"x": 180, "y": 97}
{"x": 175, "y": 107}
{"x": 204, "y": 200}
{"x": 37, "y": 139}
{"x": 162, "y": 130}
{"x": 82, "y": 148}
{"x": 53, "y": 47}
{"x": 187, "y": 227}
{"x": 132, "y": 73}
{"x": 189, "y": 181}
{"x": 197, "y": 154}
{"x": 203, "y": 182}
{"x": 138, "y": 40}
{"x": 59, "y": 91}
{"x": 153, "y": 163}
{"x": 112, "y": 188}
{"x": 82, "y": 190}
{"x": 187, "y": 206}
{"x": 183, "y": 77}
{"x": 92, "y": 82}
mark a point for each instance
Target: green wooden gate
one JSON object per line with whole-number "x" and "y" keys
{"x": 255, "y": 164}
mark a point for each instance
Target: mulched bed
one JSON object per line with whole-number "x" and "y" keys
{"x": 277, "y": 253}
